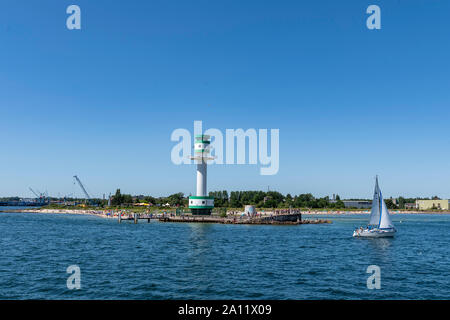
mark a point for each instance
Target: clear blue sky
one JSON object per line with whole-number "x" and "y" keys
{"x": 103, "y": 101}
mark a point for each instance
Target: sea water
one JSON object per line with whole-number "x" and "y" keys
{"x": 213, "y": 261}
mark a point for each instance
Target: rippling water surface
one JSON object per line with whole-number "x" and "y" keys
{"x": 213, "y": 261}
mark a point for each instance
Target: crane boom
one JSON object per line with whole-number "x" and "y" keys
{"x": 37, "y": 196}
{"x": 82, "y": 187}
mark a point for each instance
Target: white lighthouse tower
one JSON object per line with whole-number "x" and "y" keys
{"x": 201, "y": 204}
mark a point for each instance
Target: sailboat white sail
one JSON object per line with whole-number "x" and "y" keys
{"x": 385, "y": 218}
{"x": 376, "y": 208}
{"x": 380, "y": 223}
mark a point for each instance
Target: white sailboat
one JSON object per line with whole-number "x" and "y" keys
{"x": 380, "y": 224}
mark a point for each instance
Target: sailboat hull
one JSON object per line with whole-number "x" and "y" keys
{"x": 374, "y": 233}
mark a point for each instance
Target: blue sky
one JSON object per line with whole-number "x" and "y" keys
{"x": 102, "y": 102}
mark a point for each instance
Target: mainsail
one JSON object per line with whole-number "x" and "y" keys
{"x": 376, "y": 208}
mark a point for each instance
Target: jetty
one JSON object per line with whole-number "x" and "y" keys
{"x": 285, "y": 219}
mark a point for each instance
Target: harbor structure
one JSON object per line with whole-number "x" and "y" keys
{"x": 432, "y": 204}
{"x": 201, "y": 203}
{"x": 283, "y": 219}
{"x": 358, "y": 204}
{"x": 250, "y": 210}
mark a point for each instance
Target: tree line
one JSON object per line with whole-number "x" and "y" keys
{"x": 272, "y": 199}
{"x": 238, "y": 199}
{"x": 174, "y": 200}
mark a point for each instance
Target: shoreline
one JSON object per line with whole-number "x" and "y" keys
{"x": 107, "y": 213}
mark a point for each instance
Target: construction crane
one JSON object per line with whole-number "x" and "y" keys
{"x": 37, "y": 196}
{"x": 41, "y": 197}
{"x": 82, "y": 188}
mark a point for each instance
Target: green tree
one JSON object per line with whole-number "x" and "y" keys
{"x": 117, "y": 200}
{"x": 150, "y": 199}
{"x": 390, "y": 204}
{"x": 176, "y": 199}
{"x": 127, "y": 199}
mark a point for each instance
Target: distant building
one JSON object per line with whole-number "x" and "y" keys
{"x": 432, "y": 204}
{"x": 359, "y": 204}
{"x": 250, "y": 210}
{"x": 410, "y": 206}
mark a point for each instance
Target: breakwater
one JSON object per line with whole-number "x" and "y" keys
{"x": 288, "y": 219}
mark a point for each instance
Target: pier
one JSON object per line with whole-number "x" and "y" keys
{"x": 287, "y": 219}
{"x": 136, "y": 217}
